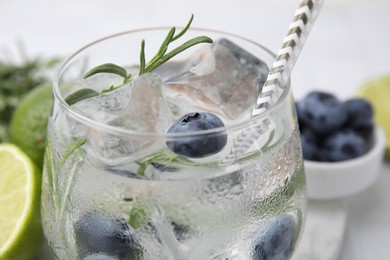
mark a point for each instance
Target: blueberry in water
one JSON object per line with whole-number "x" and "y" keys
{"x": 181, "y": 231}
{"x": 322, "y": 112}
{"x": 276, "y": 242}
{"x": 99, "y": 234}
{"x": 360, "y": 113}
{"x": 344, "y": 145}
{"x": 197, "y": 146}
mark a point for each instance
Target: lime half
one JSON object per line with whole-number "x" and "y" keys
{"x": 20, "y": 185}
{"x": 29, "y": 122}
{"x": 377, "y": 91}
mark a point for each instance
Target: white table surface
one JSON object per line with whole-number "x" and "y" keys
{"x": 348, "y": 46}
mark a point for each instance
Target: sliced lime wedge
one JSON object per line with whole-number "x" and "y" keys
{"x": 20, "y": 184}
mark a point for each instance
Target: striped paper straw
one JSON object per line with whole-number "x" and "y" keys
{"x": 299, "y": 29}
{"x": 287, "y": 56}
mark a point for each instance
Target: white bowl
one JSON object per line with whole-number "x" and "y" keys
{"x": 334, "y": 180}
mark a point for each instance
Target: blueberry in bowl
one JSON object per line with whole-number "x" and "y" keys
{"x": 343, "y": 151}
{"x": 360, "y": 113}
{"x": 322, "y": 112}
{"x": 343, "y": 145}
{"x": 333, "y": 130}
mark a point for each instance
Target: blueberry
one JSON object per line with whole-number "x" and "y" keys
{"x": 99, "y": 234}
{"x": 298, "y": 112}
{"x": 360, "y": 113}
{"x": 197, "y": 146}
{"x": 181, "y": 231}
{"x": 310, "y": 145}
{"x": 344, "y": 145}
{"x": 322, "y": 112}
{"x": 276, "y": 242}
{"x": 366, "y": 132}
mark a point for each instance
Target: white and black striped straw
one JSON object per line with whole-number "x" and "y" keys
{"x": 278, "y": 77}
{"x": 287, "y": 56}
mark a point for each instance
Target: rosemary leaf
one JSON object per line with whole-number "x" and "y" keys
{"x": 184, "y": 29}
{"x": 166, "y": 42}
{"x": 107, "y": 68}
{"x": 164, "y": 46}
{"x": 142, "y": 58}
{"x": 79, "y": 95}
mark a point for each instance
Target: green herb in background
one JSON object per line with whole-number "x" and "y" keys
{"x": 16, "y": 80}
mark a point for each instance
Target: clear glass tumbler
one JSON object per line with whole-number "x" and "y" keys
{"x": 113, "y": 186}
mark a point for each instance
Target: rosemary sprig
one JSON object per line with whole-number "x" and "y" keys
{"x": 158, "y": 59}
{"x": 164, "y": 157}
{"x": 162, "y": 56}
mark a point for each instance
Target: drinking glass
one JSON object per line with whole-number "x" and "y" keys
{"x": 113, "y": 188}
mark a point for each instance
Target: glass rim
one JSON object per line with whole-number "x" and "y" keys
{"x": 122, "y": 131}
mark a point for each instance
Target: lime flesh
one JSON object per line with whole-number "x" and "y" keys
{"x": 20, "y": 186}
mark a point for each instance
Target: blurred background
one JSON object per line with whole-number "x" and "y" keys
{"x": 347, "y": 46}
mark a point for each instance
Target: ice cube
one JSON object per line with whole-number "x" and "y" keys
{"x": 105, "y": 107}
{"x": 147, "y": 109}
{"x": 138, "y": 106}
{"x": 221, "y": 78}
